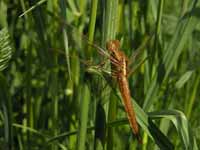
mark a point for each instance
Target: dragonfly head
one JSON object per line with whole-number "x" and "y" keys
{"x": 113, "y": 45}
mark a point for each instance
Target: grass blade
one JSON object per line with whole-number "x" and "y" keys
{"x": 65, "y": 38}
{"x": 184, "y": 28}
{"x": 181, "y": 124}
{"x": 83, "y": 118}
{"x": 6, "y": 106}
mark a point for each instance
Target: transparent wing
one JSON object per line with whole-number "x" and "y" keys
{"x": 138, "y": 51}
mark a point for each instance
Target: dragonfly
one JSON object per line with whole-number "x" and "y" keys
{"x": 120, "y": 71}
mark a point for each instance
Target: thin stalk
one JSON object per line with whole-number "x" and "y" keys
{"x": 23, "y": 8}
{"x": 184, "y": 7}
{"x": 82, "y": 7}
{"x": 31, "y": 8}
{"x": 65, "y": 38}
{"x": 130, "y": 23}
{"x": 85, "y": 101}
{"x": 55, "y": 108}
{"x": 6, "y": 105}
{"x": 112, "y": 115}
{"x": 110, "y": 20}
{"x": 93, "y": 13}
{"x": 109, "y": 32}
{"x": 28, "y": 103}
{"x": 55, "y": 119}
{"x": 121, "y": 18}
{"x": 156, "y": 53}
{"x": 160, "y": 13}
{"x": 158, "y": 24}
{"x": 190, "y": 106}
{"x": 145, "y": 141}
{"x": 73, "y": 7}
{"x": 94, "y": 7}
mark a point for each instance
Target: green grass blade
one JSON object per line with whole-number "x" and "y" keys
{"x": 191, "y": 105}
{"x": 6, "y": 106}
{"x": 72, "y": 5}
{"x": 83, "y": 118}
{"x": 180, "y": 122}
{"x": 93, "y": 14}
{"x": 33, "y": 7}
{"x": 65, "y": 38}
{"x": 109, "y": 32}
{"x": 149, "y": 127}
{"x": 184, "y": 28}
{"x": 183, "y": 79}
{"x": 151, "y": 94}
{"x": 22, "y": 127}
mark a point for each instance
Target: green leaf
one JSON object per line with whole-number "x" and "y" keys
{"x": 184, "y": 78}
{"x": 180, "y": 122}
{"x": 184, "y": 29}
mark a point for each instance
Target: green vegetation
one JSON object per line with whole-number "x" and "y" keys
{"x": 56, "y": 91}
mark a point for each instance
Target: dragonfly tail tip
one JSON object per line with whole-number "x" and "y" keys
{"x": 139, "y": 139}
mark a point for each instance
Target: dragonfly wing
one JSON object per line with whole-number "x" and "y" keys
{"x": 139, "y": 50}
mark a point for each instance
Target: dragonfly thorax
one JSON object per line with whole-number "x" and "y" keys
{"x": 113, "y": 47}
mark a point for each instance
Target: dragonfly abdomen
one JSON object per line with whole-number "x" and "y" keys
{"x": 125, "y": 93}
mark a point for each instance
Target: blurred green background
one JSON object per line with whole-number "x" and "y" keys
{"x": 55, "y": 94}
